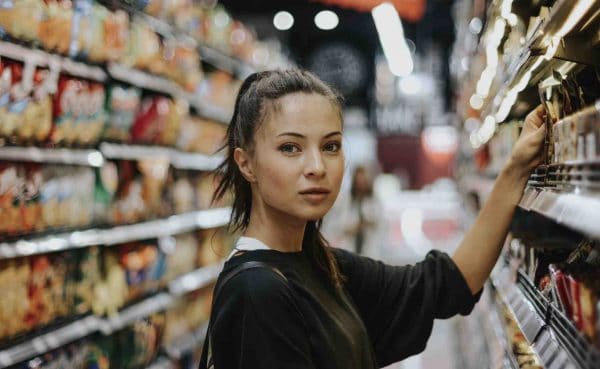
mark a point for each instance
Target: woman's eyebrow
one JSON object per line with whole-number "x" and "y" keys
{"x": 333, "y": 134}
{"x": 294, "y": 134}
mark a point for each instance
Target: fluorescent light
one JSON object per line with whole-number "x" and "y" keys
{"x": 283, "y": 20}
{"x": 326, "y": 20}
{"x": 476, "y": 102}
{"x": 475, "y": 25}
{"x": 391, "y": 35}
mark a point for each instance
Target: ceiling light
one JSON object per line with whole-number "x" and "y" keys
{"x": 326, "y": 20}
{"x": 475, "y": 26}
{"x": 476, "y": 102}
{"x": 283, "y": 20}
{"x": 391, "y": 35}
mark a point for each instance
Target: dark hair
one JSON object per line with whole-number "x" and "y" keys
{"x": 256, "y": 99}
{"x": 354, "y": 190}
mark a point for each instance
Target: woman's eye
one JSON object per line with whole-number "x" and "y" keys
{"x": 289, "y": 148}
{"x": 333, "y": 146}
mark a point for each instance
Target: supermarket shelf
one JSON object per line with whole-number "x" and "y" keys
{"x": 144, "y": 80}
{"x": 499, "y": 329}
{"x": 187, "y": 343}
{"x": 531, "y": 61}
{"x": 225, "y": 62}
{"x": 161, "y": 363}
{"x": 48, "y": 341}
{"x": 575, "y": 211}
{"x": 211, "y": 112}
{"x": 195, "y": 280}
{"x": 140, "y": 310}
{"x": 91, "y": 158}
{"x": 556, "y": 346}
{"x": 179, "y": 159}
{"x": 44, "y": 59}
{"x": 565, "y": 332}
{"x": 175, "y": 224}
{"x": 163, "y": 85}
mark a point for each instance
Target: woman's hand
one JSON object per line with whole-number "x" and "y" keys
{"x": 525, "y": 155}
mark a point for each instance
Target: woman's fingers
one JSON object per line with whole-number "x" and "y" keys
{"x": 536, "y": 117}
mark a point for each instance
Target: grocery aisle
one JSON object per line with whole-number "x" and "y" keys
{"x": 113, "y": 112}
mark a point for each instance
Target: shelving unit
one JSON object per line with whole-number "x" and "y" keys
{"x": 44, "y": 59}
{"x": 552, "y": 336}
{"x": 92, "y": 158}
{"x": 179, "y": 159}
{"x": 49, "y": 341}
{"x": 107, "y": 325}
{"x": 137, "y": 311}
{"x": 195, "y": 280}
{"x": 172, "y": 225}
{"x": 187, "y": 343}
{"x": 577, "y": 211}
{"x": 559, "y": 41}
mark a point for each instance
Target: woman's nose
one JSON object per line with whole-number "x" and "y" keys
{"x": 314, "y": 164}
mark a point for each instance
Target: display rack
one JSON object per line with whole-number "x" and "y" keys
{"x": 137, "y": 311}
{"x": 195, "y": 280}
{"x": 92, "y": 158}
{"x": 44, "y": 59}
{"x": 552, "y": 336}
{"x": 175, "y": 224}
{"x": 501, "y": 337}
{"x": 91, "y": 324}
{"x": 210, "y": 55}
{"x": 576, "y": 211}
{"x": 179, "y": 159}
{"x": 187, "y": 343}
{"x": 46, "y": 342}
{"x": 551, "y": 46}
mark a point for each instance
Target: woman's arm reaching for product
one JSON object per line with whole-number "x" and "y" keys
{"x": 479, "y": 250}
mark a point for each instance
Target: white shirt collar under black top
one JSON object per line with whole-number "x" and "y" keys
{"x": 248, "y": 244}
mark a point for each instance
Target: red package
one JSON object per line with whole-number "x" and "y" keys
{"x": 577, "y": 314}
{"x": 562, "y": 289}
{"x": 66, "y": 109}
{"x": 151, "y": 120}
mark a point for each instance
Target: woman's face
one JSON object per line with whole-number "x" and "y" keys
{"x": 298, "y": 164}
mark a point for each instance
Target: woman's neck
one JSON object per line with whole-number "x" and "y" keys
{"x": 275, "y": 229}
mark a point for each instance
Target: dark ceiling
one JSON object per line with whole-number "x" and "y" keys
{"x": 343, "y": 56}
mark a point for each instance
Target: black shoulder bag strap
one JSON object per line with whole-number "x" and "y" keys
{"x": 206, "y": 360}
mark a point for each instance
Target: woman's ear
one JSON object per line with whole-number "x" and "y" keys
{"x": 242, "y": 159}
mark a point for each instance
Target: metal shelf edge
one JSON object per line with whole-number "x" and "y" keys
{"x": 175, "y": 224}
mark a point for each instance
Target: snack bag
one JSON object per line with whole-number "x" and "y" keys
{"x": 54, "y": 28}
{"x": 20, "y": 18}
{"x": 11, "y": 189}
{"x": 122, "y": 105}
{"x": 66, "y": 110}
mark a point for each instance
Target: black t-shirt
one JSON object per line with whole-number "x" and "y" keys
{"x": 384, "y": 315}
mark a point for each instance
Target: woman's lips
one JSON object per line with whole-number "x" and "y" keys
{"x": 315, "y": 195}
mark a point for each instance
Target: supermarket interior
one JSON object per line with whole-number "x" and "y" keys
{"x": 115, "y": 116}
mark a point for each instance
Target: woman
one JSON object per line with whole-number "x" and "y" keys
{"x": 314, "y": 306}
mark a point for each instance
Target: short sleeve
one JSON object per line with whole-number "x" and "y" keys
{"x": 399, "y": 304}
{"x": 257, "y": 325}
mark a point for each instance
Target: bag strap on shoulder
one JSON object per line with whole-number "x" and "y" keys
{"x": 206, "y": 361}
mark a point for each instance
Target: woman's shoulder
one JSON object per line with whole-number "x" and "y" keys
{"x": 254, "y": 285}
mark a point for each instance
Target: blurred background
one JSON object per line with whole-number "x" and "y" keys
{"x": 112, "y": 113}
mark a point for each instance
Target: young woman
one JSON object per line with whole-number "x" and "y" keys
{"x": 317, "y": 307}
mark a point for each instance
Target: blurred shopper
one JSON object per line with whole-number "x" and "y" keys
{"x": 359, "y": 217}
